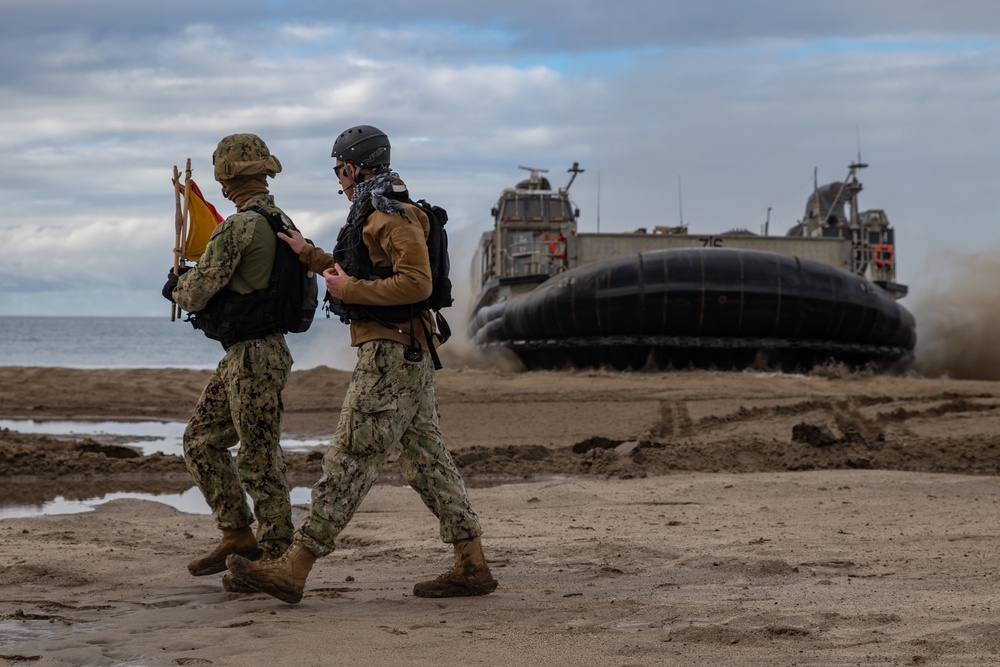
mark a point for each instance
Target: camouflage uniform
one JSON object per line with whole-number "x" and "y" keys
{"x": 390, "y": 405}
{"x": 242, "y": 401}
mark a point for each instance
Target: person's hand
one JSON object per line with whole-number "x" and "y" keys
{"x": 294, "y": 239}
{"x": 335, "y": 279}
{"x": 168, "y": 287}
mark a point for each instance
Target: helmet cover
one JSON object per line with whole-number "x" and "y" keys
{"x": 243, "y": 155}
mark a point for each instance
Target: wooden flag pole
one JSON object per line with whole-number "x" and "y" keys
{"x": 178, "y": 230}
{"x": 187, "y": 208}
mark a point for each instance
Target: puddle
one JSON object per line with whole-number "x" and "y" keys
{"x": 149, "y": 437}
{"x": 49, "y": 497}
{"x": 33, "y": 629}
{"x": 190, "y": 501}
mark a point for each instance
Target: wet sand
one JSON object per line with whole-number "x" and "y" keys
{"x": 692, "y": 518}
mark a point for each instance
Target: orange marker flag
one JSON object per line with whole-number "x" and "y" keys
{"x": 202, "y": 221}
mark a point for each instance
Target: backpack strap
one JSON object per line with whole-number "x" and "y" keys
{"x": 434, "y": 355}
{"x": 273, "y": 219}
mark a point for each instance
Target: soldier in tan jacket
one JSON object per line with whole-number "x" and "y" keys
{"x": 377, "y": 276}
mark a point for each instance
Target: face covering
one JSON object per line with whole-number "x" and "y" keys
{"x": 242, "y": 189}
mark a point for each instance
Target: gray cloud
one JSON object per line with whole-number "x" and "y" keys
{"x": 519, "y": 26}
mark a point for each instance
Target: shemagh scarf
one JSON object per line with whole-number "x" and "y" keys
{"x": 369, "y": 195}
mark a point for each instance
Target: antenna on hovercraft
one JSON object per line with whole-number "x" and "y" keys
{"x": 855, "y": 166}
{"x": 535, "y": 180}
{"x": 859, "y": 164}
{"x": 575, "y": 169}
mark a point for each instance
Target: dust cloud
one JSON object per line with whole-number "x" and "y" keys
{"x": 958, "y": 318}
{"x": 460, "y": 352}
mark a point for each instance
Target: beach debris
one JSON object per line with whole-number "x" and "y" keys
{"x": 111, "y": 451}
{"x": 810, "y": 434}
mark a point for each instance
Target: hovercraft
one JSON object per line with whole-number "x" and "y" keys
{"x": 824, "y": 292}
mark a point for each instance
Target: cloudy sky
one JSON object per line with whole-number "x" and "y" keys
{"x": 727, "y": 103}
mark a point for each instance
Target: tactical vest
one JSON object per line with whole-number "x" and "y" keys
{"x": 230, "y": 317}
{"x": 352, "y": 255}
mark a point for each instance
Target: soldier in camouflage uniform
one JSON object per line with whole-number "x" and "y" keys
{"x": 242, "y": 401}
{"x": 390, "y": 404}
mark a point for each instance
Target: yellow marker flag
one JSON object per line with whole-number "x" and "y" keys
{"x": 203, "y": 219}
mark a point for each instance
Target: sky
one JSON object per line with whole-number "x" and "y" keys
{"x": 717, "y": 113}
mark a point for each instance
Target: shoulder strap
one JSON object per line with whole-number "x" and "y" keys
{"x": 276, "y": 221}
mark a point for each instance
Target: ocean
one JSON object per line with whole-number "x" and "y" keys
{"x": 149, "y": 342}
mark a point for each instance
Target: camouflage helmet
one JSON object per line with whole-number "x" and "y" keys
{"x": 243, "y": 155}
{"x": 363, "y": 145}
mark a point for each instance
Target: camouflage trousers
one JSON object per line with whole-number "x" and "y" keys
{"x": 242, "y": 403}
{"x": 390, "y": 406}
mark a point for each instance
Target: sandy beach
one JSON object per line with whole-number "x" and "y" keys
{"x": 688, "y": 518}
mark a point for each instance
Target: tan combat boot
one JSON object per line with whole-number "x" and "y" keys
{"x": 283, "y": 577}
{"x": 231, "y": 584}
{"x": 240, "y": 541}
{"x": 470, "y": 576}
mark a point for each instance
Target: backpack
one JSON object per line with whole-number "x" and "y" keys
{"x": 437, "y": 249}
{"x": 287, "y": 304}
{"x": 292, "y": 284}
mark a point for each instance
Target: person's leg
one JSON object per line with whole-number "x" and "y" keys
{"x": 371, "y": 422}
{"x": 207, "y": 440}
{"x": 255, "y": 386}
{"x": 374, "y": 414}
{"x": 429, "y": 469}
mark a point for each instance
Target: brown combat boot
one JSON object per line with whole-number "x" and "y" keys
{"x": 240, "y": 541}
{"x": 470, "y": 576}
{"x": 231, "y": 584}
{"x": 283, "y": 577}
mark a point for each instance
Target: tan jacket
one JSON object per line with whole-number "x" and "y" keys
{"x": 392, "y": 241}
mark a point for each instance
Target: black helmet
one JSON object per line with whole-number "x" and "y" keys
{"x": 363, "y": 145}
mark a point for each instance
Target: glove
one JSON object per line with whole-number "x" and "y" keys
{"x": 171, "y": 283}
{"x": 168, "y": 287}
